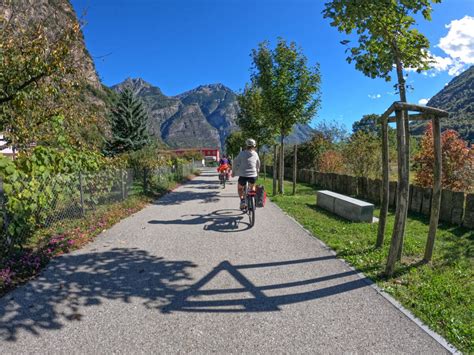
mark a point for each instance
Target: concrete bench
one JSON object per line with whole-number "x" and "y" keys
{"x": 344, "y": 206}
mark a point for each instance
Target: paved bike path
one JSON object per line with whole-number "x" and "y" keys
{"x": 186, "y": 274}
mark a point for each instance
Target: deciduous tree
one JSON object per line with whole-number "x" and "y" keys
{"x": 457, "y": 160}
{"x": 289, "y": 87}
{"x": 387, "y": 39}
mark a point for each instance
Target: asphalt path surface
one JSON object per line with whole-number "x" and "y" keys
{"x": 187, "y": 275}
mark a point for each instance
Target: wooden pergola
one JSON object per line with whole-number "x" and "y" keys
{"x": 402, "y": 119}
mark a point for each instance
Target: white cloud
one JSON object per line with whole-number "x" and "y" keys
{"x": 374, "y": 96}
{"x": 458, "y": 44}
{"x": 423, "y": 101}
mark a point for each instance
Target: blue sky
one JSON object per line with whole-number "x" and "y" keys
{"x": 180, "y": 44}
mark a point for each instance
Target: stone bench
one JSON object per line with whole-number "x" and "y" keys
{"x": 344, "y": 206}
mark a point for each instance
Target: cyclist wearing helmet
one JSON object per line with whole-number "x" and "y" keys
{"x": 246, "y": 166}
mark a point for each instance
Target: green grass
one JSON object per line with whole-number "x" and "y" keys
{"x": 440, "y": 293}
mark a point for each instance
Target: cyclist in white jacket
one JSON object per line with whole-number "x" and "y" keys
{"x": 246, "y": 166}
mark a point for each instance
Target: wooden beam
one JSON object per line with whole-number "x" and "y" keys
{"x": 412, "y": 117}
{"x": 388, "y": 112}
{"x": 398, "y": 105}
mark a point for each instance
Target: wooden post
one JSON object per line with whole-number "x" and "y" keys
{"x": 436, "y": 197}
{"x": 407, "y": 169}
{"x": 122, "y": 184}
{"x": 145, "y": 182}
{"x": 275, "y": 169}
{"x": 295, "y": 160}
{"x": 385, "y": 186}
{"x": 402, "y": 197}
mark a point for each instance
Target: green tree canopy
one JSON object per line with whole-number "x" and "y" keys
{"x": 367, "y": 124}
{"x": 234, "y": 142}
{"x": 385, "y": 34}
{"x": 252, "y": 119}
{"x": 290, "y": 89}
{"x": 129, "y": 125}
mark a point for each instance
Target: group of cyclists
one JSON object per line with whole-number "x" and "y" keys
{"x": 246, "y": 166}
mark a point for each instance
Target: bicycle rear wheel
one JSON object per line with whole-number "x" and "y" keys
{"x": 251, "y": 210}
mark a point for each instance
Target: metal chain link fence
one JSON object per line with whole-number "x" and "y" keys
{"x": 67, "y": 197}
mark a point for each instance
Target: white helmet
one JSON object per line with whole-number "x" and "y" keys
{"x": 250, "y": 142}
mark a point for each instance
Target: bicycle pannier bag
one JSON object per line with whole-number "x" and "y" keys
{"x": 261, "y": 196}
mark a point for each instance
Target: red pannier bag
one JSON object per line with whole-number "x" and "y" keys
{"x": 261, "y": 196}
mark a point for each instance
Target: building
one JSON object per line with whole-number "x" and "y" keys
{"x": 210, "y": 154}
{"x": 7, "y": 151}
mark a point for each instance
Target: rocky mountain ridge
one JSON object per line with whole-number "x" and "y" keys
{"x": 458, "y": 99}
{"x": 203, "y": 116}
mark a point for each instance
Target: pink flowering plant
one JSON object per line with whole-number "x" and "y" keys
{"x": 24, "y": 264}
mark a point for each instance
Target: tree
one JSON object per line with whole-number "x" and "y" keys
{"x": 332, "y": 161}
{"x": 234, "y": 143}
{"x": 252, "y": 118}
{"x": 41, "y": 78}
{"x": 362, "y": 154}
{"x": 367, "y": 124}
{"x": 129, "y": 125}
{"x": 457, "y": 161}
{"x": 387, "y": 41}
{"x": 290, "y": 89}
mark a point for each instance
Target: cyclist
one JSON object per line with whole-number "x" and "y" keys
{"x": 246, "y": 167}
{"x": 224, "y": 166}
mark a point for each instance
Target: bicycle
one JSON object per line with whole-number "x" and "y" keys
{"x": 222, "y": 178}
{"x": 250, "y": 204}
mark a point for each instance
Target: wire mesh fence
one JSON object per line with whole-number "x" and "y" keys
{"x": 31, "y": 204}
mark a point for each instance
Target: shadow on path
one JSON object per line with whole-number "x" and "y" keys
{"x": 75, "y": 282}
{"x": 225, "y": 220}
{"x": 190, "y": 300}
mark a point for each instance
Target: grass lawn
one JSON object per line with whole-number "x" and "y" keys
{"x": 440, "y": 294}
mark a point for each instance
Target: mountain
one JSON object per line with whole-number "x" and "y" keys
{"x": 458, "y": 99}
{"x": 204, "y": 116}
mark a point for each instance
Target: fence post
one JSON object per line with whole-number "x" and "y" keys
{"x": 145, "y": 182}
{"x": 3, "y": 203}
{"x": 122, "y": 179}
{"x": 81, "y": 190}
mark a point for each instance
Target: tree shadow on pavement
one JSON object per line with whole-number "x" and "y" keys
{"x": 74, "y": 282}
{"x": 227, "y": 301}
{"x": 179, "y": 197}
{"x": 225, "y": 221}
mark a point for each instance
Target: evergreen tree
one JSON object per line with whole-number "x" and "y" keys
{"x": 129, "y": 125}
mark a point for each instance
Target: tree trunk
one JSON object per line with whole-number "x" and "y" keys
{"x": 281, "y": 188}
{"x": 402, "y": 198}
{"x": 403, "y": 98}
{"x": 264, "y": 167}
{"x": 385, "y": 186}
{"x": 295, "y": 160}
{"x": 275, "y": 169}
{"x": 436, "y": 199}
